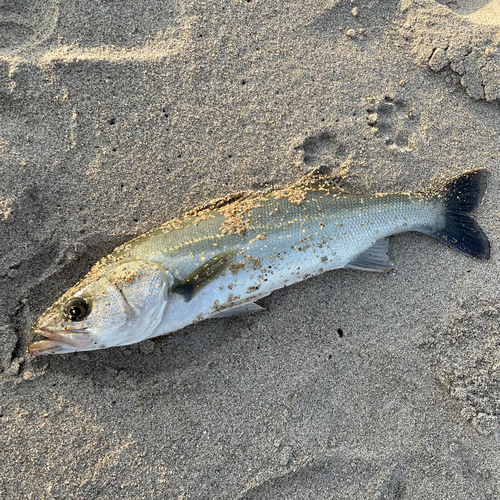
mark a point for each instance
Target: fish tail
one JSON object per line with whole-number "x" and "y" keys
{"x": 458, "y": 229}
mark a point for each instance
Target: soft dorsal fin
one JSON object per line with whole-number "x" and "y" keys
{"x": 374, "y": 258}
{"x": 203, "y": 274}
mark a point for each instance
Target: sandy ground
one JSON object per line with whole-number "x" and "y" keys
{"x": 116, "y": 116}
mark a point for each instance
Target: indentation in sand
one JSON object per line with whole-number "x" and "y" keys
{"x": 489, "y": 14}
{"x": 26, "y": 24}
{"x": 78, "y": 31}
{"x": 125, "y": 24}
{"x": 165, "y": 45}
{"x": 72, "y": 53}
{"x": 467, "y": 342}
{"x": 321, "y": 149}
{"x": 14, "y": 34}
{"x": 393, "y": 121}
{"x": 382, "y": 480}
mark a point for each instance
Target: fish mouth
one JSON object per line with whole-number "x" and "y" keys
{"x": 56, "y": 338}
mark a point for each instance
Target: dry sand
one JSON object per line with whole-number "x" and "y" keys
{"x": 118, "y": 115}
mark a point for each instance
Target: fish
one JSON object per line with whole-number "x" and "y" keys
{"x": 218, "y": 260}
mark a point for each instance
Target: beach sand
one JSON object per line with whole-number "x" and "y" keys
{"x": 117, "y": 116}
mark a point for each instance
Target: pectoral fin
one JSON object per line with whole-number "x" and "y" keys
{"x": 203, "y": 275}
{"x": 373, "y": 259}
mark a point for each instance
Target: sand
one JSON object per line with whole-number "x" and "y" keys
{"x": 117, "y": 116}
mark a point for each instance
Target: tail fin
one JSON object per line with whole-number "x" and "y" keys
{"x": 461, "y": 196}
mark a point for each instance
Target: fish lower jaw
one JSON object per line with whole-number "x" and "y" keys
{"x": 58, "y": 340}
{"x": 44, "y": 347}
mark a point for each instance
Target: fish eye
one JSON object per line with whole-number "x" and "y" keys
{"x": 76, "y": 309}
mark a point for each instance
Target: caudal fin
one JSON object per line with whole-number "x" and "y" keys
{"x": 461, "y": 196}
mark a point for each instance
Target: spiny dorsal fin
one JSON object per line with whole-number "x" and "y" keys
{"x": 219, "y": 202}
{"x": 203, "y": 274}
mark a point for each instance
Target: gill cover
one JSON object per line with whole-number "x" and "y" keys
{"x": 142, "y": 288}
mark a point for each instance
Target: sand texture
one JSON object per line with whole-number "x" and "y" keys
{"x": 116, "y": 116}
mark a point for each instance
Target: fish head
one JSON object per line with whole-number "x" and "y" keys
{"x": 115, "y": 304}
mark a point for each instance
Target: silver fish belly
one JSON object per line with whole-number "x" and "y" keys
{"x": 218, "y": 261}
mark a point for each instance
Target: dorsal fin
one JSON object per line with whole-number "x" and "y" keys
{"x": 220, "y": 202}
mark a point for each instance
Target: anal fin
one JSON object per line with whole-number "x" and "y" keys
{"x": 240, "y": 309}
{"x": 373, "y": 259}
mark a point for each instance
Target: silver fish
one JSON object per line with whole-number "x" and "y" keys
{"x": 218, "y": 261}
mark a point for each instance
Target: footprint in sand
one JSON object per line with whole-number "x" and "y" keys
{"x": 393, "y": 121}
{"x": 321, "y": 149}
{"x": 25, "y": 24}
{"x": 377, "y": 479}
{"x": 461, "y": 36}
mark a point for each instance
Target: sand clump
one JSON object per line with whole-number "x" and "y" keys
{"x": 466, "y": 45}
